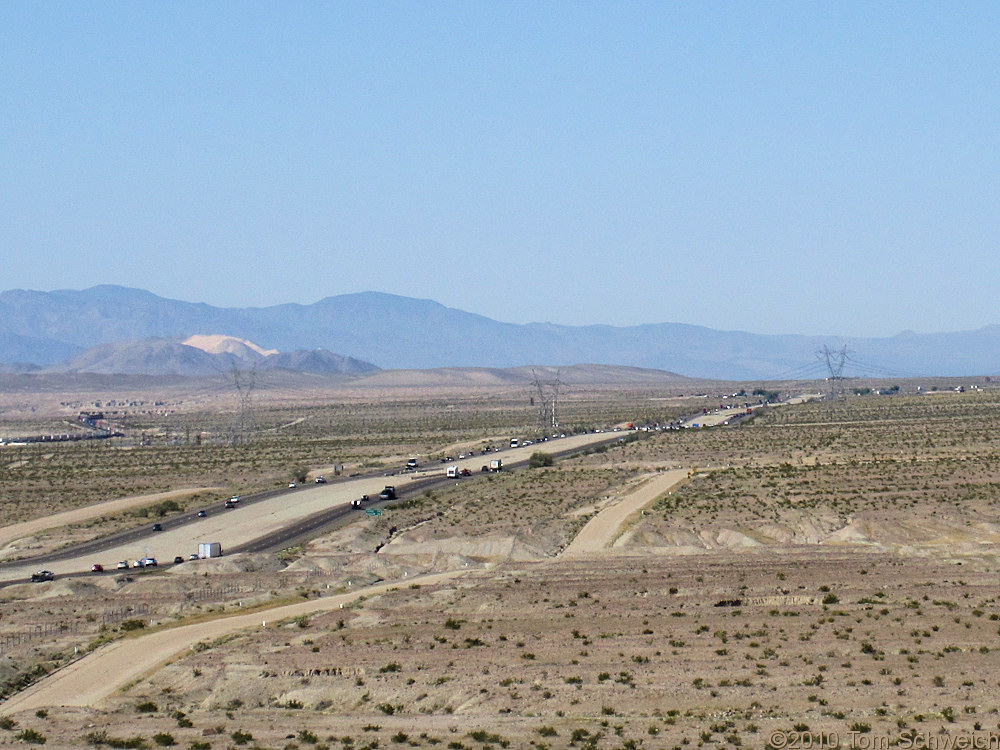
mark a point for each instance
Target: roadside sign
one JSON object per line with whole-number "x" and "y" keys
{"x": 373, "y": 512}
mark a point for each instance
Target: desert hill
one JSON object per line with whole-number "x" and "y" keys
{"x": 214, "y": 355}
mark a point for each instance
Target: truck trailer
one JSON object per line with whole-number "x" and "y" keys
{"x": 209, "y": 549}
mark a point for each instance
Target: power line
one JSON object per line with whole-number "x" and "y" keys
{"x": 835, "y": 361}
{"x": 548, "y": 401}
{"x": 244, "y": 425}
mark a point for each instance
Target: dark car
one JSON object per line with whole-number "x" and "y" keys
{"x": 42, "y": 575}
{"x": 96, "y": 568}
{"x": 157, "y": 527}
{"x": 178, "y": 560}
{"x": 202, "y": 514}
{"x": 320, "y": 480}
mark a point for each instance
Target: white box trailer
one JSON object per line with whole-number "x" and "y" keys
{"x": 452, "y": 472}
{"x": 209, "y": 549}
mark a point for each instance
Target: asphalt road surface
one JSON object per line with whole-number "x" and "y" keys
{"x": 99, "y": 674}
{"x": 268, "y": 520}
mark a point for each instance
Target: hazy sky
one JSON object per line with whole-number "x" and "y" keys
{"x": 825, "y": 168}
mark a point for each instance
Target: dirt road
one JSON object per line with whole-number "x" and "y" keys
{"x": 102, "y": 672}
{"x": 246, "y": 524}
{"x": 601, "y": 531}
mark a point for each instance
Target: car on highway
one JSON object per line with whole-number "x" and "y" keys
{"x": 42, "y": 575}
{"x": 193, "y": 556}
{"x": 123, "y": 565}
{"x": 202, "y": 513}
{"x": 157, "y": 527}
{"x": 96, "y": 568}
{"x": 389, "y": 493}
{"x": 291, "y": 485}
{"x": 178, "y": 560}
{"x": 230, "y": 503}
{"x": 138, "y": 564}
{"x": 320, "y": 479}
{"x": 148, "y": 562}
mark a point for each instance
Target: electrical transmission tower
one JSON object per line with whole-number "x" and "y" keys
{"x": 834, "y": 361}
{"x": 244, "y": 424}
{"x": 548, "y": 401}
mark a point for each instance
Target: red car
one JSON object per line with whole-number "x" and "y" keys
{"x": 96, "y": 568}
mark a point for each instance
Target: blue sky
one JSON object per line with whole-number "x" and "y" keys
{"x": 770, "y": 167}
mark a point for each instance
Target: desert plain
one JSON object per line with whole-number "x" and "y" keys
{"x": 814, "y": 574}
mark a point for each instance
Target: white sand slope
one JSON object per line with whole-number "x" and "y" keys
{"x": 218, "y": 344}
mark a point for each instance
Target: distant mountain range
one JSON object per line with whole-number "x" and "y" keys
{"x": 136, "y": 331}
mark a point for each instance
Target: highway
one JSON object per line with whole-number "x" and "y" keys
{"x": 272, "y": 519}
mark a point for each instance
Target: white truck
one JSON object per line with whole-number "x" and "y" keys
{"x": 496, "y": 464}
{"x": 452, "y": 472}
{"x": 209, "y": 549}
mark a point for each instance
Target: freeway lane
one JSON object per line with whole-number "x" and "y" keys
{"x": 325, "y": 521}
{"x": 271, "y": 519}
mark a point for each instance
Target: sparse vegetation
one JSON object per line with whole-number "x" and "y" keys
{"x": 850, "y": 635}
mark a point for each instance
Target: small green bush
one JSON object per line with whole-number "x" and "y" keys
{"x": 539, "y": 459}
{"x": 31, "y": 736}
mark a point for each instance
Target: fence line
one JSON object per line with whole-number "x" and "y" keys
{"x": 43, "y": 631}
{"x": 110, "y": 617}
